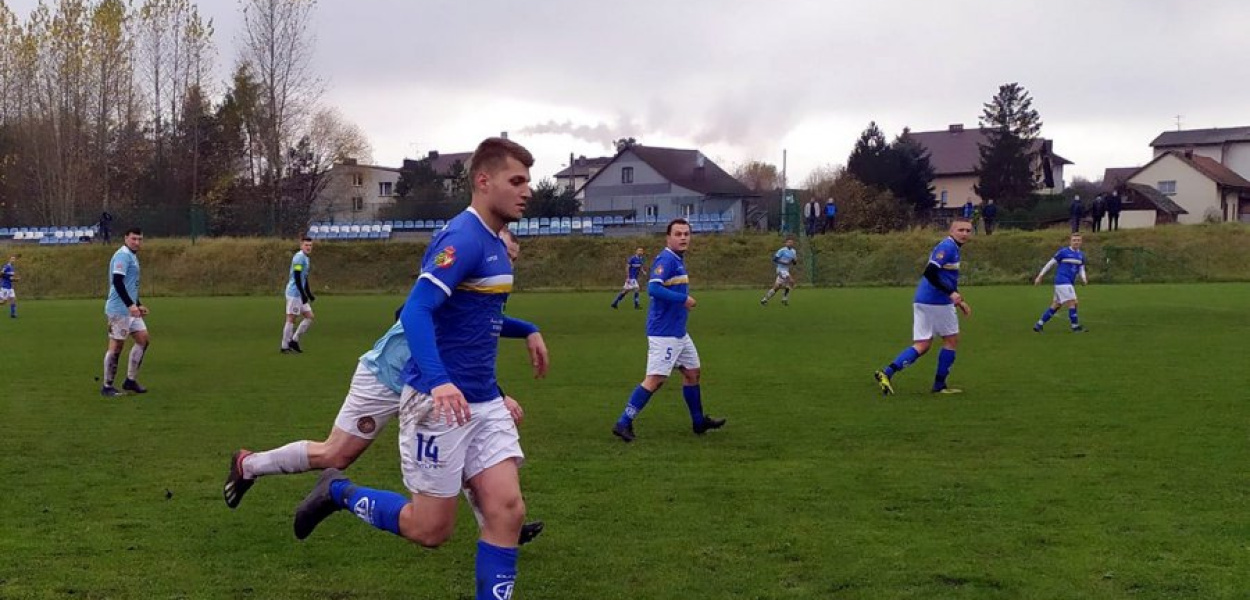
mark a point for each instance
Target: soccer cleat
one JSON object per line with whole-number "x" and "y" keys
{"x": 295, "y": 347}
{"x": 883, "y": 380}
{"x": 529, "y": 531}
{"x": 285, "y": 350}
{"x": 109, "y": 391}
{"x": 613, "y": 306}
{"x": 236, "y": 485}
{"x": 1079, "y": 329}
{"x": 131, "y": 385}
{"x": 785, "y": 302}
{"x": 763, "y": 302}
{"x": 708, "y": 424}
{"x": 1037, "y": 328}
{"x": 637, "y": 307}
{"x": 626, "y": 433}
{"x": 317, "y": 505}
{"x": 946, "y": 390}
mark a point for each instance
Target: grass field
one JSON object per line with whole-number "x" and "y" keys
{"x": 1106, "y": 465}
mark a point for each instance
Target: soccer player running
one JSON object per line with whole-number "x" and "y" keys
{"x": 8, "y": 274}
{"x": 1071, "y": 262}
{"x": 632, "y": 266}
{"x": 668, "y": 344}
{"x": 299, "y": 298}
{"x": 125, "y": 316}
{"x": 784, "y": 258}
{"x": 454, "y": 425}
{"x": 933, "y": 311}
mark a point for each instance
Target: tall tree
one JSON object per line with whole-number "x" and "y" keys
{"x": 1006, "y": 172}
{"x": 913, "y": 180}
{"x": 550, "y": 200}
{"x": 758, "y": 176}
{"x": 331, "y": 140}
{"x": 872, "y": 162}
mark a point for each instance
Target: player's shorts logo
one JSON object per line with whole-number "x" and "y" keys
{"x": 446, "y": 258}
{"x": 503, "y": 591}
{"x": 366, "y": 424}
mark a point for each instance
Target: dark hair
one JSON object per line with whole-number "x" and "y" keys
{"x": 305, "y": 239}
{"x": 134, "y": 231}
{"x": 678, "y": 221}
{"x": 492, "y": 153}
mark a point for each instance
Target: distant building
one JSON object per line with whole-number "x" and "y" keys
{"x": 1229, "y": 146}
{"x": 574, "y": 176}
{"x": 355, "y": 192}
{"x": 1205, "y": 189}
{"x": 955, "y": 155}
{"x": 663, "y": 184}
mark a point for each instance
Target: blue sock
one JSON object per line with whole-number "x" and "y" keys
{"x": 13, "y": 309}
{"x": 378, "y": 508}
{"x": 637, "y": 401}
{"x": 636, "y": 299}
{"x": 496, "y": 571}
{"x": 1072, "y": 317}
{"x": 946, "y": 358}
{"x": 618, "y": 298}
{"x": 694, "y": 402}
{"x": 1050, "y": 312}
{"x": 904, "y": 359}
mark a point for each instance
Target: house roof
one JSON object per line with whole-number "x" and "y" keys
{"x": 955, "y": 151}
{"x": 1202, "y": 137}
{"x": 1115, "y": 177}
{"x": 1156, "y": 198}
{"x": 680, "y": 167}
{"x": 1208, "y": 167}
{"x": 351, "y": 163}
{"x": 442, "y": 163}
{"x": 583, "y": 167}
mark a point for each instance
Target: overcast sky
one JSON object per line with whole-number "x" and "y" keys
{"x": 744, "y": 79}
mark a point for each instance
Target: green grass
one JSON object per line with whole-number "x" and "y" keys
{"x": 1105, "y": 465}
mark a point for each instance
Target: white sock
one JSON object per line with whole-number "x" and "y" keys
{"x": 291, "y": 458}
{"x": 302, "y": 329}
{"x": 136, "y": 360}
{"x": 477, "y": 512}
{"x": 286, "y": 335}
{"x": 110, "y": 367}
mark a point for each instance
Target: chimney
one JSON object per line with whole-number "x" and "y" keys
{"x": 1189, "y": 153}
{"x": 503, "y": 134}
{"x": 433, "y": 154}
{"x": 956, "y": 127}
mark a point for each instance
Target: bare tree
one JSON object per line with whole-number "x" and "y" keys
{"x": 331, "y": 140}
{"x": 758, "y": 176}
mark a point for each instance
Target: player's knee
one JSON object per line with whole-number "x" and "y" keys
{"x": 690, "y": 376}
{"x": 507, "y": 512}
{"x": 431, "y": 537}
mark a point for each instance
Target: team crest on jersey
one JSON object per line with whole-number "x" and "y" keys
{"x": 446, "y": 258}
{"x": 941, "y": 255}
{"x": 659, "y": 270}
{"x": 366, "y": 424}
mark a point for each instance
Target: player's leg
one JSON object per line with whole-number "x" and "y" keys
{"x": 118, "y": 331}
{"x": 922, "y": 336}
{"x": 619, "y": 296}
{"x": 139, "y": 349}
{"x": 1072, "y": 314}
{"x": 288, "y": 329}
{"x": 662, "y": 353}
{"x": 1047, "y": 314}
{"x": 946, "y": 325}
{"x": 306, "y": 321}
{"x": 785, "y": 294}
{"x": 498, "y": 488}
{"x": 691, "y": 371}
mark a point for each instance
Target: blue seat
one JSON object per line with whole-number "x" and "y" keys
{"x": 565, "y": 229}
{"x": 4, "y": 231}
{"x": 597, "y": 221}
{"x": 618, "y": 220}
{"x": 439, "y": 224}
{"x": 544, "y": 222}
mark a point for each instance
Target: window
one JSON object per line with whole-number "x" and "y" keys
{"x": 627, "y": 174}
{"x": 687, "y": 211}
{"x": 358, "y": 203}
{"x": 943, "y": 201}
{"x": 653, "y": 210}
{"x": 1167, "y": 188}
{"x": 384, "y": 188}
{"x": 358, "y": 179}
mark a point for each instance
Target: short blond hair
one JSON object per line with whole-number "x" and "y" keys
{"x": 493, "y": 153}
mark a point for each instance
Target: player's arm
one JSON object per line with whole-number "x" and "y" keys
{"x": 932, "y": 274}
{"x": 521, "y": 329}
{"x": 298, "y": 275}
{"x": 1046, "y": 269}
{"x": 306, "y": 290}
{"x": 1084, "y": 278}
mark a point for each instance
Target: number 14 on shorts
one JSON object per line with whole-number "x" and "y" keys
{"x": 427, "y": 448}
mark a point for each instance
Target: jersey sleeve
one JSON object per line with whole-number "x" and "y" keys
{"x": 660, "y": 270}
{"x": 120, "y": 264}
{"x": 451, "y": 259}
{"x": 944, "y": 254}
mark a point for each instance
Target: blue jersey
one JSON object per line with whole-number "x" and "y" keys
{"x": 635, "y": 265}
{"x": 6, "y": 277}
{"x": 1070, "y": 264}
{"x": 785, "y": 257}
{"x": 299, "y": 264}
{"x": 946, "y": 256}
{"x": 470, "y": 264}
{"x": 388, "y": 357}
{"x": 126, "y": 264}
{"x": 666, "y": 318}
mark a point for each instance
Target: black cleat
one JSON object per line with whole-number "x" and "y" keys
{"x": 626, "y": 433}
{"x": 1037, "y": 328}
{"x": 1079, "y": 329}
{"x": 708, "y": 424}
{"x": 529, "y": 531}
{"x": 131, "y": 385}
{"x": 109, "y": 391}
{"x": 236, "y": 485}
{"x": 317, "y": 505}
{"x": 285, "y": 351}
{"x": 295, "y": 347}
{"x": 613, "y": 307}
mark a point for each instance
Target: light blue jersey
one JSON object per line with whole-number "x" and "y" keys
{"x": 785, "y": 258}
{"x": 388, "y": 357}
{"x": 299, "y": 264}
{"x": 1071, "y": 262}
{"x": 126, "y": 264}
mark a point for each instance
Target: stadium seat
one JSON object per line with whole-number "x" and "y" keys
{"x": 576, "y": 225}
{"x": 4, "y": 231}
{"x": 387, "y": 228}
{"x": 439, "y": 224}
{"x": 618, "y": 220}
{"x": 544, "y": 222}
{"x": 596, "y": 221}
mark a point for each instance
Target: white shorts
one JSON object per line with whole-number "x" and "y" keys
{"x": 929, "y": 320}
{"x": 664, "y": 353}
{"x": 121, "y": 328}
{"x": 368, "y": 407}
{"x": 783, "y": 278}
{"x": 7, "y": 294}
{"x": 630, "y": 284}
{"x": 437, "y": 459}
{"x": 295, "y": 306}
{"x": 1065, "y": 293}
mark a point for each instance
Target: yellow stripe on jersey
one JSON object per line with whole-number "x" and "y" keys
{"x": 678, "y": 280}
{"x": 495, "y": 284}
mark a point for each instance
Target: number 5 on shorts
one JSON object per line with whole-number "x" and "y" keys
{"x": 668, "y": 354}
{"x": 426, "y": 448}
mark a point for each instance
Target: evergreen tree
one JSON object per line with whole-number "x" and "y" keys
{"x": 872, "y": 162}
{"x": 913, "y": 179}
{"x": 1011, "y": 125}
